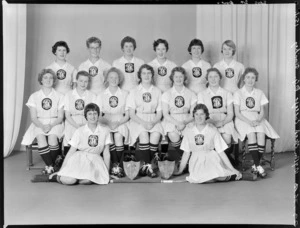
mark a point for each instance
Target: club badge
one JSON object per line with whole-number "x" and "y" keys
{"x": 229, "y": 72}
{"x": 113, "y": 101}
{"x": 162, "y": 71}
{"x": 179, "y": 101}
{"x": 79, "y": 104}
{"x": 61, "y": 74}
{"x": 199, "y": 139}
{"x": 250, "y": 102}
{"x": 147, "y": 97}
{"x": 197, "y": 72}
{"x": 217, "y": 102}
{"x": 93, "y": 71}
{"x": 129, "y": 67}
{"x": 93, "y": 140}
{"x": 46, "y": 103}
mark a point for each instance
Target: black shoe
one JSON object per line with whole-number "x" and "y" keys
{"x": 116, "y": 170}
{"x": 48, "y": 170}
{"x": 143, "y": 170}
{"x": 150, "y": 171}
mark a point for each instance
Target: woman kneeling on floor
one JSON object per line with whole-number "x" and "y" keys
{"x": 208, "y": 162}
{"x": 84, "y": 163}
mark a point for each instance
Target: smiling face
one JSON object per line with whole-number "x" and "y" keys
{"x": 92, "y": 117}
{"x": 94, "y": 50}
{"x": 200, "y": 116}
{"x": 213, "y": 79}
{"x": 161, "y": 51}
{"x": 196, "y": 51}
{"x": 128, "y": 48}
{"x": 227, "y": 51}
{"x": 146, "y": 75}
{"x": 113, "y": 79}
{"x": 82, "y": 82}
{"x": 250, "y": 79}
{"x": 61, "y": 53}
{"x": 47, "y": 80}
{"x": 178, "y": 78}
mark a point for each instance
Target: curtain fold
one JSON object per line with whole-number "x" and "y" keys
{"x": 14, "y": 48}
{"x": 264, "y": 35}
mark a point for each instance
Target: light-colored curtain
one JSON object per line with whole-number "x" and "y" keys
{"x": 265, "y": 38}
{"x": 14, "y": 47}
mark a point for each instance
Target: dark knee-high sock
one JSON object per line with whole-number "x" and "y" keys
{"x": 143, "y": 154}
{"x": 54, "y": 150}
{"x": 228, "y": 152}
{"x": 46, "y": 155}
{"x": 66, "y": 150}
{"x": 254, "y": 152}
{"x": 120, "y": 154}
{"x": 261, "y": 150}
{"x": 175, "y": 155}
{"x": 153, "y": 150}
{"x": 164, "y": 148}
{"x": 113, "y": 153}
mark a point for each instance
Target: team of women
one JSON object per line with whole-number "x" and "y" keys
{"x": 99, "y": 109}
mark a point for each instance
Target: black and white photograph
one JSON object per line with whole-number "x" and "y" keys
{"x": 150, "y": 113}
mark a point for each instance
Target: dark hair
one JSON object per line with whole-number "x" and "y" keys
{"x": 247, "y": 70}
{"x": 128, "y": 39}
{"x": 83, "y": 73}
{"x": 195, "y": 42}
{"x": 231, "y": 44}
{"x": 60, "y": 44}
{"x": 93, "y": 40}
{"x": 160, "y": 41}
{"x": 47, "y": 71}
{"x": 181, "y": 70}
{"x": 91, "y": 107}
{"x": 203, "y": 107}
{"x": 213, "y": 69}
{"x": 148, "y": 67}
{"x": 116, "y": 70}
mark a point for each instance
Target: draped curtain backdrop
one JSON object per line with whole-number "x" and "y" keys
{"x": 264, "y": 35}
{"x": 14, "y": 46}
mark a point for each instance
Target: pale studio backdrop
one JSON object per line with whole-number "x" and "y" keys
{"x": 264, "y": 35}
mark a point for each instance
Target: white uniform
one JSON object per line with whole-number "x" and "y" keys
{"x": 146, "y": 103}
{"x": 208, "y": 160}
{"x": 217, "y": 106}
{"x": 250, "y": 105}
{"x": 47, "y": 108}
{"x": 162, "y": 74}
{"x": 180, "y": 104}
{"x": 129, "y": 69}
{"x": 74, "y": 103}
{"x": 113, "y": 107}
{"x": 196, "y": 75}
{"x": 86, "y": 162}
{"x": 231, "y": 74}
{"x": 66, "y": 75}
{"x": 97, "y": 71}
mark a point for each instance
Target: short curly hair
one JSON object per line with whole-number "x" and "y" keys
{"x": 160, "y": 41}
{"x": 91, "y": 107}
{"x": 203, "y": 107}
{"x": 93, "y": 40}
{"x": 213, "y": 69}
{"x": 60, "y": 44}
{"x": 47, "y": 71}
{"x": 83, "y": 73}
{"x": 181, "y": 70}
{"x": 148, "y": 67}
{"x": 128, "y": 39}
{"x": 119, "y": 73}
{"x": 195, "y": 42}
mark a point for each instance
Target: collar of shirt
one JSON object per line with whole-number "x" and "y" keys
{"x": 179, "y": 93}
{"x": 209, "y": 91}
{"x": 231, "y": 64}
{"x": 141, "y": 88}
{"x": 94, "y": 64}
{"x": 246, "y": 91}
{"x": 199, "y": 64}
{"x": 60, "y": 67}
{"x": 107, "y": 92}
{"x": 196, "y": 131}
{"x": 88, "y": 130}
{"x": 157, "y": 63}
{"x": 50, "y": 94}
{"x": 75, "y": 93}
{"x": 126, "y": 61}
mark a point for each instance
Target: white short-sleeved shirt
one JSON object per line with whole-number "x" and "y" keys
{"x": 162, "y": 73}
{"x": 215, "y": 102}
{"x": 251, "y": 102}
{"x": 143, "y": 100}
{"x": 196, "y": 74}
{"x": 231, "y": 74}
{"x": 179, "y": 102}
{"x": 97, "y": 71}
{"x": 46, "y": 106}
{"x": 66, "y": 75}
{"x": 74, "y": 103}
{"x": 93, "y": 142}
{"x": 129, "y": 69}
{"x": 112, "y": 103}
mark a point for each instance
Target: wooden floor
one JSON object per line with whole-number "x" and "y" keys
{"x": 265, "y": 201}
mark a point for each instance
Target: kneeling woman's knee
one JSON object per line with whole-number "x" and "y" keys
{"x": 68, "y": 180}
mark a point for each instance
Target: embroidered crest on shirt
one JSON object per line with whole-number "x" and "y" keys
{"x": 129, "y": 67}
{"x": 199, "y": 139}
{"x": 61, "y": 74}
{"x": 250, "y": 102}
{"x": 147, "y": 97}
{"x": 162, "y": 71}
{"x": 229, "y": 72}
{"x": 79, "y": 104}
{"x": 197, "y": 72}
{"x": 113, "y": 101}
{"x": 217, "y": 102}
{"x": 46, "y": 103}
{"x": 179, "y": 101}
{"x": 93, "y": 71}
{"x": 93, "y": 140}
